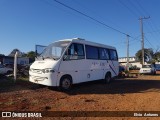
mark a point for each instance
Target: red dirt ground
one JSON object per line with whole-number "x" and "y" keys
{"x": 123, "y": 94}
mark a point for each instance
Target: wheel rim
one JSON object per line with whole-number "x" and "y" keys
{"x": 66, "y": 83}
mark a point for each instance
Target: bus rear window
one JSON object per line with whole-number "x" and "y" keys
{"x": 113, "y": 54}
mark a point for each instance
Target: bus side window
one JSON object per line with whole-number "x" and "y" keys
{"x": 91, "y": 52}
{"x": 74, "y": 52}
{"x": 103, "y": 54}
{"x": 80, "y": 51}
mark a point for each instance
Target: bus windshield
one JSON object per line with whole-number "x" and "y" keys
{"x": 54, "y": 50}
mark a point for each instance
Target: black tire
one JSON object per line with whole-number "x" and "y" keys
{"x": 65, "y": 83}
{"x": 107, "y": 78}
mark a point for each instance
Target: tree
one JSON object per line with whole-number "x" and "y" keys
{"x": 156, "y": 57}
{"x": 148, "y": 55}
{"x": 31, "y": 54}
{"x": 12, "y": 54}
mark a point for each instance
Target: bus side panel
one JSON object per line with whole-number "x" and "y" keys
{"x": 77, "y": 69}
{"x": 114, "y": 67}
{"x": 95, "y": 69}
{"x": 83, "y": 70}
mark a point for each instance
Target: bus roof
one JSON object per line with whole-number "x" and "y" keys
{"x": 83, "y": 41}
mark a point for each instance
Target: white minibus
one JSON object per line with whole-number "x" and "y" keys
{"x": 71, "y": 61}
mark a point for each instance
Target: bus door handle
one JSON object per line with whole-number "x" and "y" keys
{"x": 91, "y": 70}
{"x": 76, "y": 71}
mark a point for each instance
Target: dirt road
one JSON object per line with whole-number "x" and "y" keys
{"x": 125, "y": 94}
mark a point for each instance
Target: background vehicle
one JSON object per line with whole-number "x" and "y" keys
{"x": 157, "y": 66}
{"x": 4, "y": 70}
{"x": 147, "y": 69}
{"x": 72, "y": 61}
{"x": 121, "y": 71}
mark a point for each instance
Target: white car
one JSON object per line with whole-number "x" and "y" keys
{"x": 147, "y": 69}
{"x": 4, "y": 70}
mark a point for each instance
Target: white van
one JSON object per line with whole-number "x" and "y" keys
{"x": 71, "y": 61}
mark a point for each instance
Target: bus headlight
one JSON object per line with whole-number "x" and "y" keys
{"x": 48, "y": 70}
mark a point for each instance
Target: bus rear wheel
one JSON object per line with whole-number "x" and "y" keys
{"x": 107, "y": 78}
{"x": 65, "y": 83}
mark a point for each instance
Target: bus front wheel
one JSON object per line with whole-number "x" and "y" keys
{"x": 65, "y": 83}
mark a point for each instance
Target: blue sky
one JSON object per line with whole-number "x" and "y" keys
{"x": 25, "y": 23}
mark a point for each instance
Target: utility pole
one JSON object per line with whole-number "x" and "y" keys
{"x": 142, "y": 34}
{"x": 127, "y": 52}
{"x": 15, "y": 66}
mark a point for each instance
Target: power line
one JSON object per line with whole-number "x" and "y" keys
{"x": 155, "y": 31}
{"x": 102, "y": 23}
{"x": 140, "y": 6}
{"x": 136, "y": 8}
{"x": 149, "y": 42}
{"x": 60, "y": 8}
{"x": 151, "y": 24}
{"x": 141, "y": 19}
{"x": 131, "y": 11}
{"x": 93, "y": 11}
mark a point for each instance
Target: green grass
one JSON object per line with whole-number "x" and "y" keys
{"x": 6, "y": 82}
